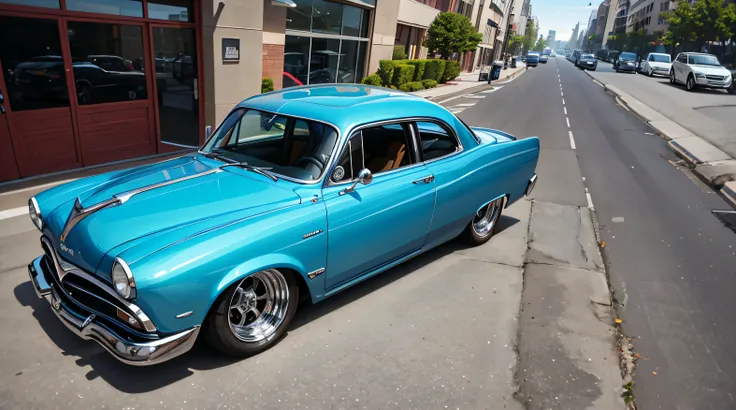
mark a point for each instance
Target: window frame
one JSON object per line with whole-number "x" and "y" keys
{"x": 412, "y": 139}
{"x": 449, "y": 130}
{"x": 243, "y": 107}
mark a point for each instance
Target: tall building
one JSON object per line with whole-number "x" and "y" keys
{"x": 551, "y": 38}
{"x": 580, "y": 39}
{"x": 600, "y": 26}
{"x": 622, "y": 16}
{"x": 611, "y": 12}
{"x": 521, "y": 10}
{"x": 645, "y": 15}
{"x": 574, "y": 37}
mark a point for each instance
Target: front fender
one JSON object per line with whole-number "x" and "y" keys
{"x": 190, "y": 275}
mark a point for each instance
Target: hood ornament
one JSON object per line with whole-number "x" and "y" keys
{"x": 79, "y": 212}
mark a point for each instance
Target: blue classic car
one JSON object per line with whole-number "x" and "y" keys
{"x": 297, "y": 195}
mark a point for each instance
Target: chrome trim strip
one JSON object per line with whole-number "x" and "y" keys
{"x": 38, "y": 211}
{"x": 133, "y": 308}
{"x": 311, "y": 234}
{"x": 185, "y": 314}
{"x": 315, "y": 273}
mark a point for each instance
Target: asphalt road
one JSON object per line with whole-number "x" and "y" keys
{"x": 671, "y": 262}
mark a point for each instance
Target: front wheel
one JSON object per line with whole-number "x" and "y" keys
{"x": 254, "y": 314}
{"x": 484, "y": 223}
{"x": 650, "y": 72}
{"x": 690, "y": 84}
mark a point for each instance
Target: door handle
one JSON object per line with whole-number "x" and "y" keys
{"x": 424, "y": 180}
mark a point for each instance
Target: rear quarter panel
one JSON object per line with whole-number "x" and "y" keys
{"x": 476, "y": 176}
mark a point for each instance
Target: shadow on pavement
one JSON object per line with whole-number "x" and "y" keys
{"x": 697, "y": 90}
{"x": 130, "y": 379}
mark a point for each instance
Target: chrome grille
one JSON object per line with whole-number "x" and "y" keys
{"x": 714, "y": 77}
{"x": 89, "y": 294}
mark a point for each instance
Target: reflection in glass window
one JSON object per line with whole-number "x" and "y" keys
{"x": 172, "y": 10}
{"x": 132, "y": 8}
{"x": 326, "y": 17}
{"x": 348, "y": 60}
{"x": 352, "y": 19}
{"x": 107, "y": 61}
{"x": 323, "y": 63}
{"x": 53, "y": 4}
{"x": 299, "y": 17}
{"x": 296, "y": 61}
{"x": 30, "y": 52}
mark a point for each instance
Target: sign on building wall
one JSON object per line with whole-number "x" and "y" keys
{"x": 231, "y": 50}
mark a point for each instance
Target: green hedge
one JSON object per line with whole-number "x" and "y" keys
{"x": 386, "y": 70}
{"x": 452, "y": 70}
{"x": 373, "y": 79}
{"x": 403, "y": 73}
{"x": 266, "y": 85}
{"x": 412, "y": 86}
{"x": 429, "y": 83}
{"x": 434, "y": 70}
{"x": 419, "y": 66}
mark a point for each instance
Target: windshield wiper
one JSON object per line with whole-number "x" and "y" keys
{"x": 212, "y": 155}
{"x": 258, "y": 170}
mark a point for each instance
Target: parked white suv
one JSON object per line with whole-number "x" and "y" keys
{"x": 699, "y": 70}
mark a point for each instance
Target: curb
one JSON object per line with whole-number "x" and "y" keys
{"x": 683, "y": 152}
{"x": 480, "y": 87}
{"x": 729, "y": 193}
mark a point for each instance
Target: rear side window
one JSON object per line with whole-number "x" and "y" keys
{"x": 436, "y": 141}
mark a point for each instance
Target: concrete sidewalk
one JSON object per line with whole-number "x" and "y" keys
{"x": 466, "y": 82}
{"x": 699, "y": 144}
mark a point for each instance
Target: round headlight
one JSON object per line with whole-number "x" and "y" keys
{"x": 122, "y": 279}
{"x": 35, "y": 212}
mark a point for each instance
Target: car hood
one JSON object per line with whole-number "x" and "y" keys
{"x": 192, "y": 192}
{"x": 710, "y": 70}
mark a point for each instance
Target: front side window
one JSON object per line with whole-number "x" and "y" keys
{"x": 436, "y": 140}
{"x": 296, "y": 148}
{"x": 660, "y": 58}
{"x": 380, "y": 149}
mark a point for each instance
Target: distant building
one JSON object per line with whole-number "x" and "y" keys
{"x": 574, "y": 38}
{"x": 645, "y": 15}
{"x": 551, "y": 38}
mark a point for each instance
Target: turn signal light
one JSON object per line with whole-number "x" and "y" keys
{"x": 130, "y": 320}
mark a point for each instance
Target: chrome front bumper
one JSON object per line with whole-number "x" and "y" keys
{"x": 89, "y": 328}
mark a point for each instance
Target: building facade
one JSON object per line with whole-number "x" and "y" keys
{"x": 89, "y": 82}
{"x": 646, "y": 15}
{"x": 551, "y": 38}
{"x": 574, "y": 37}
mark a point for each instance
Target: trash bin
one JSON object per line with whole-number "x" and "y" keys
{"x": 496, "y": 70}
{"x": 484, "y": 72}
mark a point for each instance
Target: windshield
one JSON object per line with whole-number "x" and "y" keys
{"x": 704, "y": 60}
{"x": 587, "y": 56}
{"x": 660, "y": 58}
{"x": 292, "y": 147}
{"x": 628, "y": 56}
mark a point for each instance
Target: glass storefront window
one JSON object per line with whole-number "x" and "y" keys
{"x": 130, "y": 8}
{"x": 30, "y": 52}
{"x": 326, "y": 17}
{"x": 107, "y": 62}
{"x": 323, "y": 62}
{"x": 348, "y": 59}
{"x": 300, "y": 17}
{"x": 53, "y": 4}
{"x": 296, "y": 61}
{"x": 352, "y": 19}
{"x": 172, "y": 10}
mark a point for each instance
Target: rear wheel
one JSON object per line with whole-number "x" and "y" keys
{"x": 484, "y": 223}
{"x": 672, "y": 77}
{"x": 254, "y": 314}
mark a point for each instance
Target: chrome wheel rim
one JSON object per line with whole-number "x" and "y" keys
{"x": 258, "y": 306}
{"x": 690, "y": 82}
{"x": 485, "y": 219}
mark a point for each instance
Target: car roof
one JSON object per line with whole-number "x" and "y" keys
{"x": 696, "y": 53}
{"x": 346, "y": 105}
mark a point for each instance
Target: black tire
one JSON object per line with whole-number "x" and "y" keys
{"x": 217, "y": 327}
{"x": 473, "y": 237}
{"x": 690, "y": 83}
{"x": 673, "y": 80}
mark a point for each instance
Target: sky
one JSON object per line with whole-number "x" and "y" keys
{"x": 561, "y": 15}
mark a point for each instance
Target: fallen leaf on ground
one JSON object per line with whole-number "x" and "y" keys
{"x": 619, "y": 320}
{"x": 603, "y": 244}
{"x": 654, "y": 373}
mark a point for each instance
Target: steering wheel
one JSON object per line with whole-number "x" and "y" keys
{"x": 311, "y": 160}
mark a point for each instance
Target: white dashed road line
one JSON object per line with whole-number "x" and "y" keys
{"x": 563, "y": 101}
{"x": 562, "y": 94}
{"x": 565, "y": 108}
{"x": 476, "y": 96}
{"x": 465, "y": 105}
{"x": 572, "y": 140}
{"x": 12, "y": 213}
{"x": 568, "y": 122}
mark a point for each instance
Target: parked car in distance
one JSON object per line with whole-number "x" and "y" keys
{"x": 532, "y": 59}
{"x": 543, "y": 59}
{"x": 611, "y": 56}
{"x": 626, "y": 62}
{"x": 732, "y": 87}
{"x": 576, "y": 56}
{"x": 293, "y": 197}
{"x": 656, "y": 63}
{"x": 587, "y": 61}
{"x": 700, "y": 70}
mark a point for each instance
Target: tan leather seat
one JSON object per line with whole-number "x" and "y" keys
{"x": 390, "y": 160}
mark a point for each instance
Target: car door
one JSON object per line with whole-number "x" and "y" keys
{"x": 381, "y": 221}
{"x": 679, "y": 66}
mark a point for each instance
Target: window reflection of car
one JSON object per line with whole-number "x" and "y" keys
{"x": 103, "y": 78}
{"x": 39, "y": 78}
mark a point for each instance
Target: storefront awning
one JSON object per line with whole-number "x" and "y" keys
{"x": 492, "y": 23}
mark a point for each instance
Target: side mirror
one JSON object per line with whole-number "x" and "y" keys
{"x": 207, "y": 132}
{"x": 365, "y": 177}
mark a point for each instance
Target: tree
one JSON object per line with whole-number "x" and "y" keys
{"x": 697, "y": 23}
{"x": 515, "y": 41}
{"x": 541, "y": 44}
{"x": 530, "y": 36}
{"x": 451, "y": 33}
